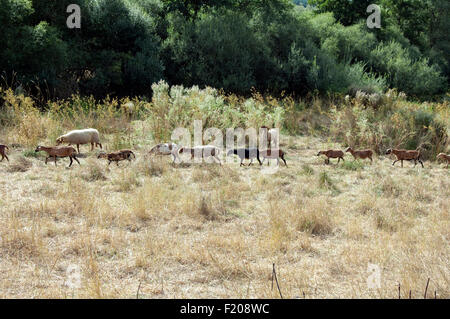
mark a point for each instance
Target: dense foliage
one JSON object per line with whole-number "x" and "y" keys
{"x": 123, "y": 46}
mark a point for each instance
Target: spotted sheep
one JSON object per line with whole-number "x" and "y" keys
{"x": 166, "y": 149}
{"x": 205, "y": 151}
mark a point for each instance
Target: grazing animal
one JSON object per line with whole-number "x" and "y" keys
{"x": 405, "y": 155}
{"x": 166, "y": 149}
{"x": 85, "y": 136}
{"x": 3, "y": 149}
{"x": 444, "y": 157}
{"x": 273, "y": 154}
{"x": 117, "y": 156}
{"x": 246, "y": 153}
{"x": 332, "y": 154}
{"x": 205, "y": 150}
{"x": 267, "y": 138}
{"x": 62, "y": 151}
{"x": 363, "y": 154}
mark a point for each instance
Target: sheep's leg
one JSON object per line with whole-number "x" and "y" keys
{"x": 395, "y": 162}
{"x": 242, "y": 160}
{"x": 71, "y": 161}
{"x": 55, "y": 160}
{"x": 278, "y": 161}
{"x": 339, "y": 159}
{"x": 6, "y": 156}
{"x": 284, "y": 160}
{"x": 251, "y": 162}
{"x": 402, "y": 162}
{"x": 421, "y": 163}
{"x": 117, "y": 163}
{"x": 76, "y": 160}
{"x": 218, "y": 159}
{"x": 46, "y": 159}
{"x": 259, "y": 161}
{"x": 109, "y": 163}
{"x": 92, "y": 147}
{"x": 78, "y": 148}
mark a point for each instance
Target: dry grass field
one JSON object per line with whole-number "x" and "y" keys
{"x": 210, "y": 231}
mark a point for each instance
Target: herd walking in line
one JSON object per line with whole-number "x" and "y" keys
{"x": 92, "y": 136}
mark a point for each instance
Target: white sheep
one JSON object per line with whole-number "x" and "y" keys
{"x": 85, "y": 136}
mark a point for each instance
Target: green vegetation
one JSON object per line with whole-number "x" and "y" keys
{"x": 123, "y": 46}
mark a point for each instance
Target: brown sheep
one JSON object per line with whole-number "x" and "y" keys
{"x": 273, "y": 154}
{"x": 332, "y": 154}
{"x": 444, "y": 157}
{"x": 62, "y": 151}
{"x": 117, "y": 156}
{"x": 3, "y": 149}
{"x": 405, "y": 155}
{"x": 363, "y": 154}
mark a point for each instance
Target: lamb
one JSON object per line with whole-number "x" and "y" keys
{"x": 85, "y": 136}
{"x": 444, "y": 157}
{"x": 62, "y": 151}
{"x": 246, "y": 153}
{"x": 363, "y": 154}
{"x": 273, "y": 154}
{"x": 166, "y": 149}
{"x": 405, "y": 155}
{"x": 332, "y": 154}
{"x": 205, "y": 150}
{"x": 117, "y": 156}
{"x": 3, "y": 149}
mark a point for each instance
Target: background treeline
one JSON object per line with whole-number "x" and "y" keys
{"x": 273, "y": 46}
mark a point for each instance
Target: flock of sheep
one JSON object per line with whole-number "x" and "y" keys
{"x": 91, "y": 136}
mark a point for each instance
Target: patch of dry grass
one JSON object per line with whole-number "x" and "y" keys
{"x": 206, "y": 230}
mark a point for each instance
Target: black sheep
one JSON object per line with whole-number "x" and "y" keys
{"x": 246, "y": 153}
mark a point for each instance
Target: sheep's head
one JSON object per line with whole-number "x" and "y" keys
{"x": 102, "y": 155}
{"x": 230, "y": 152}
{"x": 182, "y": 150}
{"x": 38, "y": 149}
{"x": 59, "y": 140}
{"x": 389, "y": 151}
{"x": 349, "y": 149}
{"x": 320, "y": 153}
{"x": 441, "y": 155}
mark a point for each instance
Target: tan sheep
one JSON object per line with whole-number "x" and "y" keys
{"x": 444, "y": 157}
{"x": 362, "y": 154}
{"x": 332, "y": 154}
{"x": 62, "y": 151}
{"x": 405, "y": 155}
